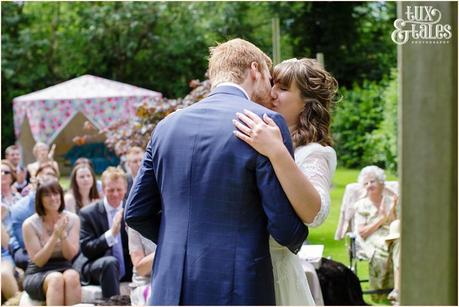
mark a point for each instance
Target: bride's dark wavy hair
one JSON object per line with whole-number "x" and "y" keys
{"x": 319, "y": 92}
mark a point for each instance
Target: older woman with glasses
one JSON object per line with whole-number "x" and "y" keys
{"x": 8, "y": 198}
{"x": 374, "y": 213}
{"x": 9, "y": 194}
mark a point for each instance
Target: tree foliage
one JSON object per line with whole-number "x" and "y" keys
{"x": 163, "y": 45}
{"x": 365, "y": 125}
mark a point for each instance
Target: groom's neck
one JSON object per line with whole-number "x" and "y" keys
{"x": 248, "y": 88}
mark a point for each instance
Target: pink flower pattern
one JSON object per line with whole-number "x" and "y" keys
{"x": 47, "y": 117}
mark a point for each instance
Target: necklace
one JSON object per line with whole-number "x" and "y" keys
{"x": 49, "y": 228}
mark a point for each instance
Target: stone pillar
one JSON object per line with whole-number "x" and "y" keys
{"x": 428, "y": 165}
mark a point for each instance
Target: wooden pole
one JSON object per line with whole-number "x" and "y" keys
{"x": 276, "y": 40}
{"x": 320, "y": 58}
{"x": 428, "y": 165}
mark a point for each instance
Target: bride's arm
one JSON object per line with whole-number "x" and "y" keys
{"x": 265, "y": 138}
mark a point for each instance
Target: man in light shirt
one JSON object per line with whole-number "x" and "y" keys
{"x": 105, "y": 257}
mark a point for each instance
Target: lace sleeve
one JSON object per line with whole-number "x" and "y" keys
{"x": 319, "y": 171}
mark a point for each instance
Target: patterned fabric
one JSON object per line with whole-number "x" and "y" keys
{"x": 8, "y": 202}
{"x": 374, "y": 247}
{"x": 48, "y": 117}
{"x": 102, "y": 101}
{"x": 353, "y": 193}
{"x": 366, "y": 214}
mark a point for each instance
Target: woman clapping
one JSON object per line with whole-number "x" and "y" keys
{"x": 51, "y": 237}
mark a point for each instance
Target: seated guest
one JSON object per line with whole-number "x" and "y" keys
{"x": 83, "y": 160}
{"x": 21, "y": 211}
{"x": 43, "y": 155}
{"x": 374, "y": 213}
{"x": 134, "y": 158}
{"x": 9, "y": 196}
{"x": 104, "y": 258}
{"x": 9, "y": 283}
{"x": 51, "y": 238}
{"x": 13, "y": 155}
{"x": 83, "y": 188}
{"x": 22, "y": 185}
{"x": 142, "y": 253}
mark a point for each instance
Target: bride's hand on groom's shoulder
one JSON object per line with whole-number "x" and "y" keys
{"x": 262, "y": 134}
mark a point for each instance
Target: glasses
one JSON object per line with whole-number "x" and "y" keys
{"x": 5, "y": 172}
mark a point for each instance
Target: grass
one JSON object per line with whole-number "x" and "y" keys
{"x": 325, "y": 234}
{"x": 65, "y": 183}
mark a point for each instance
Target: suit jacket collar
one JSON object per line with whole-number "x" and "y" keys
{"x": 102, "y": 214}
{"x": 228, "y": 89}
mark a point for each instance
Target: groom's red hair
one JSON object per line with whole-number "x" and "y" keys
{"x": 229, "y": 61}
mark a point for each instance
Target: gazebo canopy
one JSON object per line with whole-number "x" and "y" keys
{"x": 101, "y": 100}
{"x": 57, "y": 113}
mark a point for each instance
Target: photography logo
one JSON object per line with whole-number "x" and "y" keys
{"x": 422, "y": 25}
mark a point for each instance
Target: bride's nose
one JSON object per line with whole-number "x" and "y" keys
{"x": 273, "y": 93}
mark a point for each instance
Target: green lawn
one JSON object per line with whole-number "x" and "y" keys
{"x": 65, "y": 182}
{"x": 325, "y": 233}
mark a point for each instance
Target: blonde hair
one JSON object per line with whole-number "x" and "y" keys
{"x": 134, "y": 150}
{"x": 229, "y": 61}
{"x": 46, "y": 165}
{"x": 112, "y": 174}
{"x": 318, "y": 90}
{"x": 38, "y": 145}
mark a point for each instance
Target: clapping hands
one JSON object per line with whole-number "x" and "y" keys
{"x": 60, "y": 227}
{"x": 392, "y": 215}
{"x": 116, "y": 226}
{"x": 51, "y": 152}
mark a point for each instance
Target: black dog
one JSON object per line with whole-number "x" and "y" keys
{"x": 339, "y": 285}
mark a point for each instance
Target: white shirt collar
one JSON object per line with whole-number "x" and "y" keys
{"x": 235, "y": 85}
{"x": 108, "y": 207}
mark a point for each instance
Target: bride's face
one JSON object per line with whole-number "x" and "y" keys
{"x": 287, "y": 101}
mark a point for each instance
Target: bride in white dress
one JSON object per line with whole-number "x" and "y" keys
{"x": 303, "y": 93}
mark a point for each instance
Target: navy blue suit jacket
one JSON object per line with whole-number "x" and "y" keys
{"x": 210, "y": 202}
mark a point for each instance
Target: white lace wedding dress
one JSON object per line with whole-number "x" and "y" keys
{"x": 318, "y": 163}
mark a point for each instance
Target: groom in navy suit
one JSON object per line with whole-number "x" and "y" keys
{"x": 208, "y": 199}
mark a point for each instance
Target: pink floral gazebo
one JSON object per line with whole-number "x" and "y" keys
{"x": 46, "y": 114}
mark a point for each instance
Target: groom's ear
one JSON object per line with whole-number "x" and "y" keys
{"x": 254, "y": 70}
